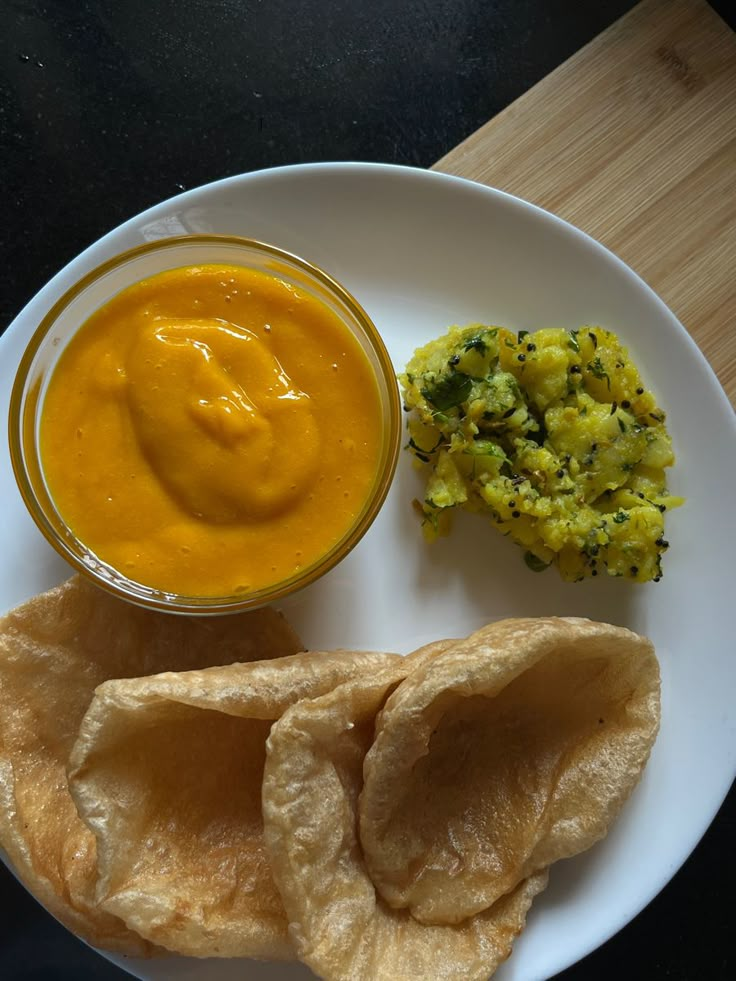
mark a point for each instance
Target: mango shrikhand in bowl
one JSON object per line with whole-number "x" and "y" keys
{"x": 204, "y": 424}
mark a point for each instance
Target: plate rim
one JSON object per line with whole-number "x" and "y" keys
{"x": 402, "y": 171}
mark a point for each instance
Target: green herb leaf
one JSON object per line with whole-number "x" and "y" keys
{"x": 448, "y": 391}
{"x": 595, "y": 367}
{"x": 485, "y": 447}
{"x": 535, "y": 563}
{"x": 421, "y": 453}
{"x": 433, "y": 519}
{"x": 478, "y": 342}
{"x": 619, "y": 517}
{"x": 573, "y": 342}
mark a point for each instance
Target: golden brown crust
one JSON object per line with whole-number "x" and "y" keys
{"x": 510, "y": 750}
{"x": 376, "y": 816}
{"x": 167, "y": 772}
{"x": 341, "y": 928}
{"x": 54, "y": 651}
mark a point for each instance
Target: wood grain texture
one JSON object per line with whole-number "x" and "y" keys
{"x": 633, "y": 140}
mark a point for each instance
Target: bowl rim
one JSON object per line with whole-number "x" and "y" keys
{"x": 162, "y": 600}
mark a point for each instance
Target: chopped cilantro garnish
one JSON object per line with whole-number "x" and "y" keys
{"x": 448, "y": 391}
{"x": 485, "y": 447}
{"x": 595, "y": 367}
{"x": 478, "y": 342}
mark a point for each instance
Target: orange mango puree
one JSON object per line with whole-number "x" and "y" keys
{"x": 211, "y": 430}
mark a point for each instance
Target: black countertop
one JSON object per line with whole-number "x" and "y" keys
{"x": 106, "y": 109}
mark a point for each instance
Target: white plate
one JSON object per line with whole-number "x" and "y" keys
{"x": 421, "y": 251}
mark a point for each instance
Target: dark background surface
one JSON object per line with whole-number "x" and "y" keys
{"x": 108, "y": 108}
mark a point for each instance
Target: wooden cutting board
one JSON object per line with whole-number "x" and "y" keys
{"x": 634, "y": 141}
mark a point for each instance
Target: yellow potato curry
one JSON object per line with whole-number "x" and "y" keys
{"x": 553, "y": 436}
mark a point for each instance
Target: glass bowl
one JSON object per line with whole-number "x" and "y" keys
{"x": 92, "y": 292}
